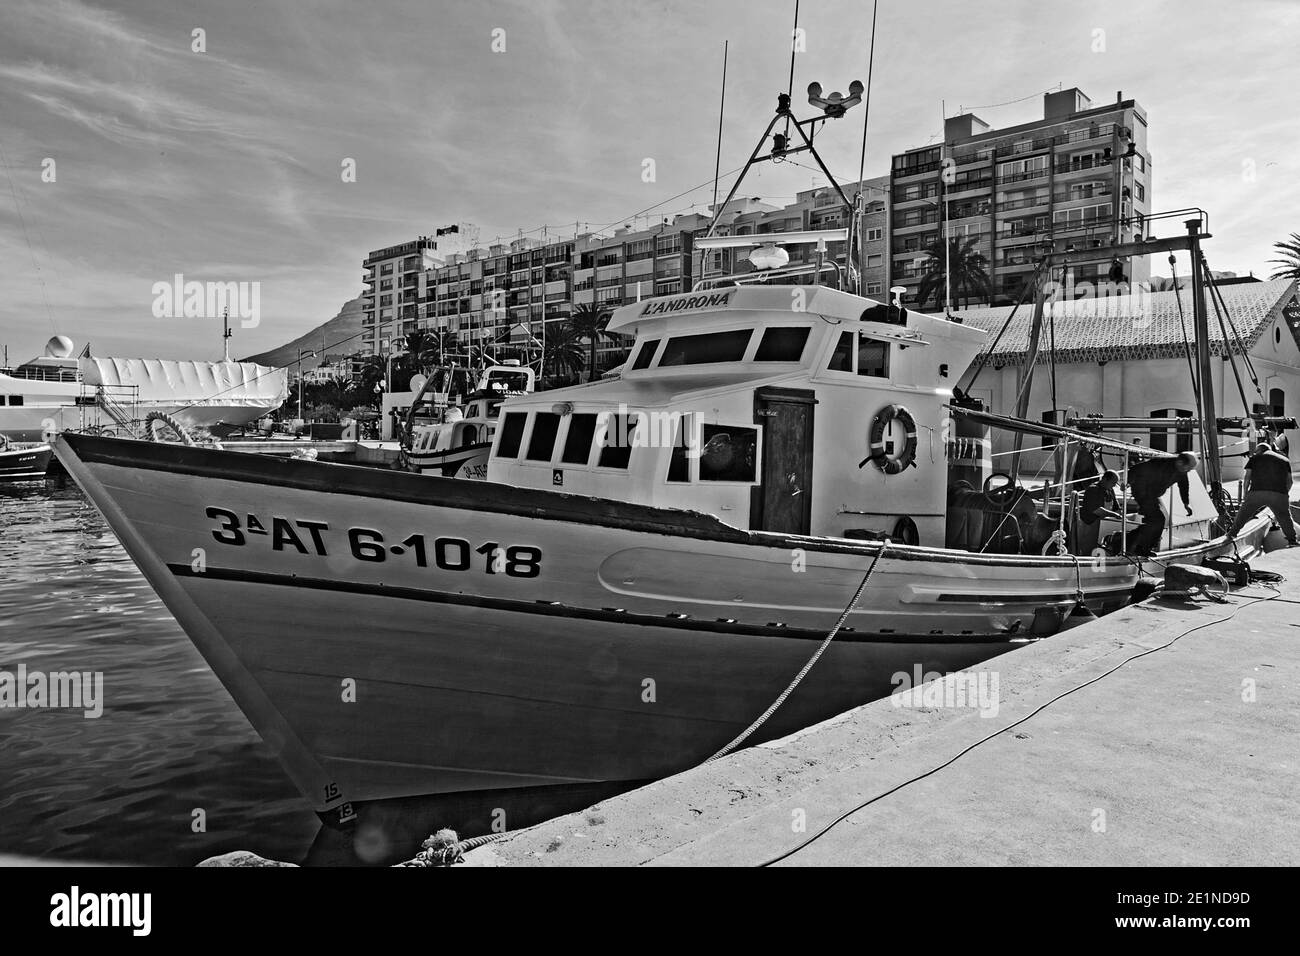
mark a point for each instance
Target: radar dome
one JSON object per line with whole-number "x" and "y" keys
{"x": 59, "y": 346}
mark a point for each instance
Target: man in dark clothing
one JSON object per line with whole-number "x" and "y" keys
{"x": 1098, "y": 498}
{"x": 1148, "y": 483}
{"x": 1267, "y": 483}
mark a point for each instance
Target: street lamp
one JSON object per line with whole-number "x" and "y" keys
{"x": 947, "y": 253}
{"x": 301, "y": 353}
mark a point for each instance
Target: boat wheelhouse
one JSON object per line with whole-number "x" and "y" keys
{"x": 757, "y": 404}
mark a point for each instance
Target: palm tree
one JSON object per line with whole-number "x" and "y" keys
{"x": 588, "y": 322}
{"x": 373, "y": 372}
{"x": 563, "y": 350}
{"x": 970, "y": 278}
{"x": 423, "y": 350}
{"x": 1289, "y": 263}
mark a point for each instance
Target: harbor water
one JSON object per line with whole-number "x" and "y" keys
{"x": 170, "y": 772}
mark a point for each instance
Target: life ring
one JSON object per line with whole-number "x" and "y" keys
{"x": 876, "y": 440}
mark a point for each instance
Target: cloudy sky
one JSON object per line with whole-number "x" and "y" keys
{"x": 226, "y": 165}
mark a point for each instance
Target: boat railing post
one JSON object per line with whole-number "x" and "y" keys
{"x": 1123, "y": 511}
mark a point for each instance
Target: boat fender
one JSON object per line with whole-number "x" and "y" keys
{"x": 876, "y": 440}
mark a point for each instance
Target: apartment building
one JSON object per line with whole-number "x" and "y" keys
{"x": 392, "y": 295}
{"x": 1079, "y": 178}
{"x": 501, "y": 296}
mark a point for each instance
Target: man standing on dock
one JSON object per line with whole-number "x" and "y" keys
{"x": 1148, "y": 482}
{"x": 1267, "y": 484}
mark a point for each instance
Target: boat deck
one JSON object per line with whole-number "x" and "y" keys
{"x": 1161, "y": 762}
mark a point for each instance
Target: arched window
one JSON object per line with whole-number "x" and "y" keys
{"x": 1182, "y": 438}
{"x": 1277, "y": 402}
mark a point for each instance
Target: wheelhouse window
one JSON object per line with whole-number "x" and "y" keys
{"x": 873, "y": 357}
{"x": 577, "y": 443}
{"x": 512, "y": 435}
{"x": 782, "y": 345}
{"x": 842, "y": 357}
{"x": 728, "y": 453}
{"x": 645, "y": 355}
{"x": 546, "y": 425}
{"x": 679, "y": 462}
{"x": 706, "y": 348}
{"x": 616, "y": 441}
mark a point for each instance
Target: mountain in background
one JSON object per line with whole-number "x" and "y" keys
{"x": 341, "y": 335}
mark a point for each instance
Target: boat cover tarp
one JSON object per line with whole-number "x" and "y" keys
{"x": 196, "y": 383}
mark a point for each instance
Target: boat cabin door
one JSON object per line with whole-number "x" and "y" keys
{"x": 783, "y": 499}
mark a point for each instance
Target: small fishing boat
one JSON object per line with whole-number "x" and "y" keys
{"x": 457, "y": 446}
{"x": 23, "y": 461}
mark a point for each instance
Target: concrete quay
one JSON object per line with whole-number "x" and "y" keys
{"x": 1177, "y": 742}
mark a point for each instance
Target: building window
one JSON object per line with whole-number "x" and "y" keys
{"x": 875, "y": 288}
{"x": 875, "y": 235}
{"x": 875, "y": 262}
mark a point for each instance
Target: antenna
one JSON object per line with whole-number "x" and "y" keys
{"x": 717, "y": 163}
{"x": 794, "y": 47}
{"x": 225, "y": 333}
{"x": 859, "y": 201}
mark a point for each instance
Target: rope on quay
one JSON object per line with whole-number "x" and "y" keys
{"x": 762, "y": 718}
{"x": 1033, "y": 713}
{"x": 445, "y": 848}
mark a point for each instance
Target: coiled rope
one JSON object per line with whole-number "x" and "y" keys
{"x": 844, "y": 616}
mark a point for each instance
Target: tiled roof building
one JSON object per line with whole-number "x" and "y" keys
{"x": 1139, "y": 326}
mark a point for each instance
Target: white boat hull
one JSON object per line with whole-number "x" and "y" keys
{"x": 499, "y": 638}
{"x": 470, "y": 462}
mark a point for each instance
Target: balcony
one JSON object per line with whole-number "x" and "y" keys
{"x": 1026, "y": 177}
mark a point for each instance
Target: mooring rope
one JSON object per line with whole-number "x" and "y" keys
{"x": 762, "y": 718}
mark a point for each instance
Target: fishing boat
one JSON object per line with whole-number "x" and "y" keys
{"x": 458, "y": 444}
{"x": 781, "y": 468}
{"x": 23, "y": 461}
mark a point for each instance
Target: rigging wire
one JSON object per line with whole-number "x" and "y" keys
{"x": 1024, "y": 294}
{"x": 1187, "y": 350}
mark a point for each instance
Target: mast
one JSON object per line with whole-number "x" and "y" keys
{"x": 1201, "y": 323}
{"x": 1027, "y": 375}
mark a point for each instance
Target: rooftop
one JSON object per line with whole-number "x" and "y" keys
{"x": 1139, "y": 326}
